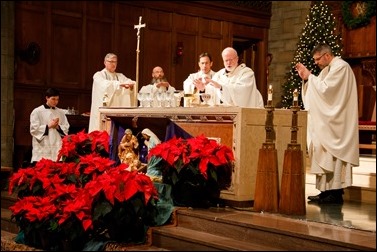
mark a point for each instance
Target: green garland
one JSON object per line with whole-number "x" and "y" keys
{"x": 361, "y": 20}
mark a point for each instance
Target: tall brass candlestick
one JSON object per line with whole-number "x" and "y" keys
{"x": 292, "y": 193}
{"x": 295, "y": 108}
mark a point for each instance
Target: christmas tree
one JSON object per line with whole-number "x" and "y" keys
{"x": 320, "y": 27}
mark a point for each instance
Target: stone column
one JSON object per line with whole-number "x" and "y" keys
{"x": 7, "y": 83}
{"x": 287, "y": 21}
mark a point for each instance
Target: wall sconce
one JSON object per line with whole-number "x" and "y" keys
{"x": 179, "y": 51}
{"x": 31, "y": 54}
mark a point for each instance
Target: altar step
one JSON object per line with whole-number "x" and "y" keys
{"x": 6, "y": 223}
{"x": 224, "y": 229}
{"x": 227, "y": 229}
{"x": 363, "y": 187}
{"x": 231, "y": 229}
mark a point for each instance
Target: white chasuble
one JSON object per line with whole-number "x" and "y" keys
{"x": 331, "y": 101}
{"x": 108, "y": 83}
{"x": 239, "y": 87}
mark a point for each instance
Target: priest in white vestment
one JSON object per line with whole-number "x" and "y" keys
{"x": 159, "y": 82}
{"x": 48, "y": 125}
{"x": 199, "y": 82}
{"x": 333, "y": 137}
{"x": 118, "y": 89}
{"x": 237, "y": 82}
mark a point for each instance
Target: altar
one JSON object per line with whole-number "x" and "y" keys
{"x": 242, "y": 129}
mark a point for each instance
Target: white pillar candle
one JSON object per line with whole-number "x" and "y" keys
{"x": 295, "y": 95}
{"x": 270, "y": 93}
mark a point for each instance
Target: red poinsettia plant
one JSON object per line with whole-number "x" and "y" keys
{"x": 205, "y": 154}
{"x": 196, "y": 164}
{"x": 73, "y": 200}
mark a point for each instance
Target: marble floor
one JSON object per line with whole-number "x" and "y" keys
{"x": 349, "y": 214}
{"x": 353, "y": 215}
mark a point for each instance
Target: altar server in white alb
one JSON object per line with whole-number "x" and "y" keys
{"x": 333, "y": 141}
{"x": 116, "y": 86}
{"x": 199, "y": 82}
{"x": 237, "y": 82}
{"x": 48, "y": 125}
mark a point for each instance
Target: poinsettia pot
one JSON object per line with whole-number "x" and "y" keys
{"x": 192, "y": 190}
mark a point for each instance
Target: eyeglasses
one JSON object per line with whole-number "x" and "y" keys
{"x": 229, "y": 60}
{"x": 317, "y": 59}
{"x": 112, "y": 61}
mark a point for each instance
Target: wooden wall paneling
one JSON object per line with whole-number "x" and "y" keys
{"x": 158, "y": 41}
{"x": 100, "y": 10}
{"x": 22, "y": 138}
{"x": 68, "y": 6}
{"x": 99, "y": 37}
{"x": 359, "y": 45}
{"x": 26, "y": 73}
{"x": 365, "y": 83}
{"x": 126, "y": 41}
{"x": 214, "y": 46}
{"x": 185, "y": 64}
{"x": 69, "y": 99}
{"x": 213, "y": 41}
{"x": 370, "y": 38}
{"x": 259, "y": 37}
{"x": 185, "y": 33}
{"x": 23, "y": 108}
{"x": 84, "y": 102}
{"x": 216, "y": 10}
{"x": 360, "y": 42}
{"x": 66, "y": 53}
{"x": 369, "y": 82}
{"x": 185, "y": 23}
{"x": 126, "y": 51}
{"x": 260, "y": 68}
{"x": 357, "y": 70}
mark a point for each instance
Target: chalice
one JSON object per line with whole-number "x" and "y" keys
{"x": 205, "y": 98}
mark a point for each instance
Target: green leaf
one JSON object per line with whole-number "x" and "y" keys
{"x": 101, "y": 209}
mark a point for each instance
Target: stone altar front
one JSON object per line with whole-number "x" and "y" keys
{"x": 242, "y": 129}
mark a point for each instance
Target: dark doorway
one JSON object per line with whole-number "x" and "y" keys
{"x": 246, "y": 50}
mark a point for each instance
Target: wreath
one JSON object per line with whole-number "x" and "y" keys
{"x": 367, "y": 11}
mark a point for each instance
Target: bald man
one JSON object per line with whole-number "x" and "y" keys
{"x": 237, "y": 82}
{"x": 158, "y": 83}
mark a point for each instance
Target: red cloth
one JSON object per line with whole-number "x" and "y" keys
{"x": 367, "y": 122}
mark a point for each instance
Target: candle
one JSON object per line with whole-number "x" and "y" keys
{"x": 295, "y": 95}
{"x": 270, "y": 93}
{"x": 295, "y": 98}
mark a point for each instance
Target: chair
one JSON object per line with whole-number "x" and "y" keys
{"x": 367, "y": 117}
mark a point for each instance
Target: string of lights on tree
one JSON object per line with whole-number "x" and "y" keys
{"x": 320, "y": 27}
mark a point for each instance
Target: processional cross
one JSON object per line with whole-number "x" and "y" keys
{"x": 136, "y": 88}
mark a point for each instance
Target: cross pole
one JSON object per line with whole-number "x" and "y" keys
{"x": 136, "y": 88}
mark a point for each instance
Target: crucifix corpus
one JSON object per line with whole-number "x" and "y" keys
{"x": 136, "y": 88}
